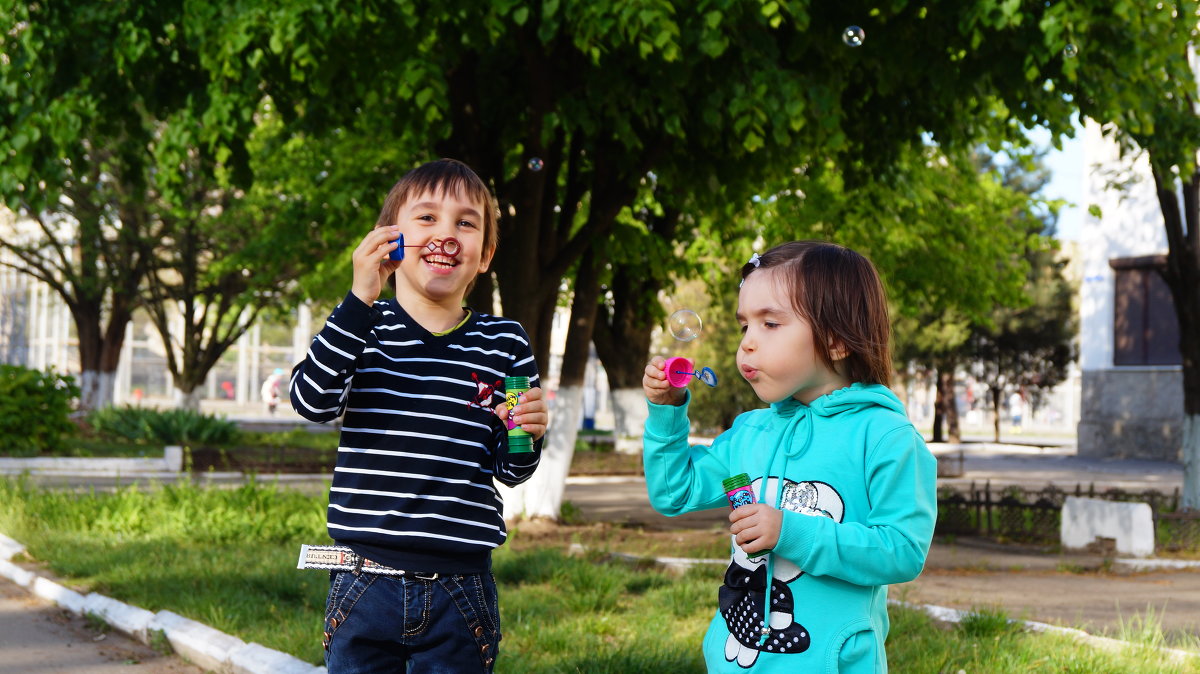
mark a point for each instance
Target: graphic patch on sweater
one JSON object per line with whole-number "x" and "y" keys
{"x": 742, "y": 597}
{"x": 483, "y": 393}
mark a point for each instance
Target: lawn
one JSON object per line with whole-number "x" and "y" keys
{"x": 226, "y": 557}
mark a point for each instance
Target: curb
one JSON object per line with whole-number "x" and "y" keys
{"x": 954, "y": 615}
{"x": 198, "y": 643}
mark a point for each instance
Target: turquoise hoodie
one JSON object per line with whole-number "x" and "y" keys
{"x": 859, "y": 502}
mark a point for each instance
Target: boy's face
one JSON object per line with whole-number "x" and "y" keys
{"x": 436, "y": 217}
{"x": 777, "y": 354}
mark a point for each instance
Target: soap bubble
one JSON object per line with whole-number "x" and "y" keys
{"x": 1070, "y": 51}
{"x": 685, "y": 325}
{"x": 853, "y": 36}
{"x": 535, "y": 164}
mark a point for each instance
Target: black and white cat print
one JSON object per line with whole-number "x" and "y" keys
{"x": 741, "y": 597}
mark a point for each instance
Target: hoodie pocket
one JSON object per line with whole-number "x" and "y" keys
{"x": 859, "y": 653}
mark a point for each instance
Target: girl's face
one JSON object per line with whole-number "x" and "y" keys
{"x": 777, "y": 355}
{"x": 430, "y": 217}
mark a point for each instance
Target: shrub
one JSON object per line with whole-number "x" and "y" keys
{"x": 35, "y": 409}
{"x": 166, "y": 427}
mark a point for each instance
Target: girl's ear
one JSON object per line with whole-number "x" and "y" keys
{"x": 837, "y": 349}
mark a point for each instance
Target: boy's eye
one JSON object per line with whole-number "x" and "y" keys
{"x": 425, "y": 217}
{"x": 743, "y": 329}
{"x": 770, "y": 324}
{"x": 465, "y": 223}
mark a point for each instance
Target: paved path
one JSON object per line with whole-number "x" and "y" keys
{"x": 37, "y": 637}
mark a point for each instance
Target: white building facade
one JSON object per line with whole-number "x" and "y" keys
{"x": 1132, "y": 385}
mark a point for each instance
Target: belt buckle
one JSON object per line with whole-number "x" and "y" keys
{"x": 425, "y": 576}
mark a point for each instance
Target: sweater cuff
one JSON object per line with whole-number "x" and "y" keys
{"x": 666, "y": 421}
{"x": 796, "y": 535}
{"x": 354, "y": 316}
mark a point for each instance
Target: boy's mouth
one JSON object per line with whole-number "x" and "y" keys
{"x": 438, "y": 261}
{"x": 749, "y": 372}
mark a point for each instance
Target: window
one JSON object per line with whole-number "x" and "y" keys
{"x": 1145, "y": 330}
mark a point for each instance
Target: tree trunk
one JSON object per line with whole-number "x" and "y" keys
{"x": 629, "y": 412}
{"x": 938, "y": 416}
{"x": 1191, "y": 462}
{"x": 995, "y": 396}
{"x": 946, "y": 377}
{"x": 188, "y": 400}
{"x": 1182, "y": 275}
{"x": 542, "y": 495}
{"x": 945, "y": 406}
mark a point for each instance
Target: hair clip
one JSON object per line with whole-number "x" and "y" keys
{"x": 754, "y": 260}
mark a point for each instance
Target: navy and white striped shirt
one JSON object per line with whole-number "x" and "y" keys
{"x": 420, "y": 446}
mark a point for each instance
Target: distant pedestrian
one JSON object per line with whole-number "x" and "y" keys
{"x": 844, "y": 493}
{"x": 1016, "y": 408}
{"x": 271, "y": 389}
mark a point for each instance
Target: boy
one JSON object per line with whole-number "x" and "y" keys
{"x": 413, "y": 500}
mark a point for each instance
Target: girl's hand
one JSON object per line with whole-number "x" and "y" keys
{"x": 654, "y": 383}
{"x": 755, "y": 527}
{"x": 371, "y": 264}
{"x": 530, "y": 413}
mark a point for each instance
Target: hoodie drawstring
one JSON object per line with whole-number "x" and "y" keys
{"x": 789, "y": 431}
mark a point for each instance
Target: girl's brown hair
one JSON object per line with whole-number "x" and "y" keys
{"x": 443, "y": 176}
{"x": 841, "y": 296}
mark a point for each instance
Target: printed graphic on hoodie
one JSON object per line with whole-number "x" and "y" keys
{"x": 742, "y": 596}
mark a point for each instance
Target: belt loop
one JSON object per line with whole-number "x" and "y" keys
{"x": 358, "y": 564}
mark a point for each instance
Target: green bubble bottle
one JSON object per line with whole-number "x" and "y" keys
{"x": 740, "y": 493}
{"x": 519, "y": 440}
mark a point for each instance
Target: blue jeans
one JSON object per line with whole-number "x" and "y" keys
{"x": 377, "y": 623}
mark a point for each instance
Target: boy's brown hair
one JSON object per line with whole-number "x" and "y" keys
{"x": 839, "y": 292}
{"x": 443, "y": 176}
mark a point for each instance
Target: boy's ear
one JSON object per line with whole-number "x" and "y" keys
{"x": 485, "y": 260}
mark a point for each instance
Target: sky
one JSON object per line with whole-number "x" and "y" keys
{"x": 1066, "y": 180}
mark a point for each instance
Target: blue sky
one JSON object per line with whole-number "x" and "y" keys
{"x": 1066, "y": 180}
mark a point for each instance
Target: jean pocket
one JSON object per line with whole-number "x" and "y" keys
{"x": 475, "y": 597}
{"x": 345, "y": 589}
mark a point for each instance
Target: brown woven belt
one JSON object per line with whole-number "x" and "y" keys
{"x": 342, "y": 558}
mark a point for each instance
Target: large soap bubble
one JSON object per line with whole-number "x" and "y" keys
{"x": 685, "y": 325}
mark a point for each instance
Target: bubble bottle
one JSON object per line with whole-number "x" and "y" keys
{"x": 519, "y": 440}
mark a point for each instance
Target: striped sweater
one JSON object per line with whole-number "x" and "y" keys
{"x": 420, "y": 446}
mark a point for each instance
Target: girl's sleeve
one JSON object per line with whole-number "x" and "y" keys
{"x": 890, "y": 545}
{"x": 320, "y": 383}
{"x": 680, "y": 478}
{"x": 513, "y": 469}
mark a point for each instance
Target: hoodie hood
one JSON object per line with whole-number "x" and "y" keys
{"x": 853, "y": 397}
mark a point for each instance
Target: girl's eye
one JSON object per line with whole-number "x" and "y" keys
{"x": 743, "y": 329}
{"x": 771, "y": 325}
{"x": 465, "y": 223}
{"x": 426, "y": 217}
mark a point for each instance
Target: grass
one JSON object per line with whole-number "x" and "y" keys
{"x": 226, "y": 557}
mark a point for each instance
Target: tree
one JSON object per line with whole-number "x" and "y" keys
{"x": 1128, "y": 67}
{"x": 79, "y": 137}
{"x": 138, "y": 177}
{"x": 1029, "y": 347}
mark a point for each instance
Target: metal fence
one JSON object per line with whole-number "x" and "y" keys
{"x": 1035, "y": 515}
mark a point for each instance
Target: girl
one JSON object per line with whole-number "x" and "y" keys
{"x": 844, "y": 485}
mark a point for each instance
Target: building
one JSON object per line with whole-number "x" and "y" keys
{"x": 1132, "y": 385}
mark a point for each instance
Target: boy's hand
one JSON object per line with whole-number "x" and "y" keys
{"x": 371, "y": 264}
{"x": 654, "y": 383}
{"x": 530, "y": 413}
{"x": 755, "y": 527}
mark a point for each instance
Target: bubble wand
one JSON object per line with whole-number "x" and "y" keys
{"x": 449, "y": 247}
{"x": 679, "y": 369}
